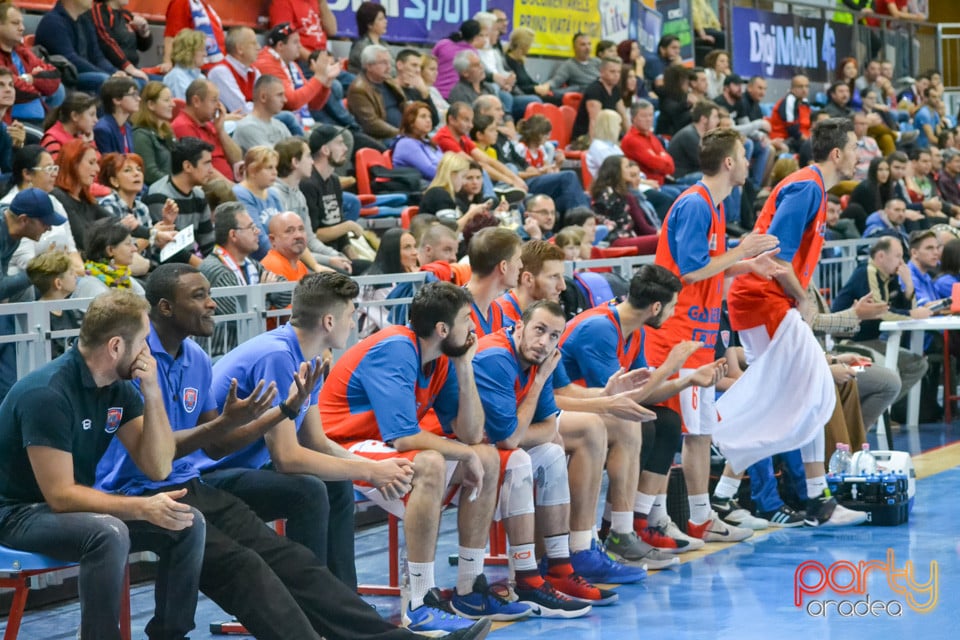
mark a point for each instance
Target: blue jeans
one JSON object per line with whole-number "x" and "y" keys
{"x": 90, "y": 81}
{"x": 34, "y": 110}
{"x": 101, "y": 544}
{"x": 759, "y": 155}
{"x": 289, "y": 119}
{"x": 333, "y": 111}
{"x": 564, "y": 187}
{"x": 520, "y": 105}
{"x": 763, "y": 484}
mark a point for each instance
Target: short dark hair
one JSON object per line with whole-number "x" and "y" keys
{"x": 916, "y": 152}
{"x": 884, "y": 243}
{"x": 288, "y": 149}
{"x": 198, "y": 88}
{"x": 666, "y": 41}
{"x": 491, "y": 246}
{"x": 652, "y": 283}
{"x": 703, "y": 109}
{"x": 549, "y": 306}
{"x": 480, "y": 124}
{"x": 407, "y": 53}
{"x": 263, "y": 82}
{"x": 115, "y": 88}
{"x": 950, "y": 258}
{"x": 118, "y": 312}
{"x": 453, "y": 111}
{"x": 916, "y": 238}
{"x": 715, "y": 146}
{"x": 318, "y": 294}
{"x": 105, "y": 232}
{"x": 828, "y": 135}
{"x": 366, "y": 13}
{"x": 162, "y": 283}
{"x": 832, "y": 89}
{"x": 897, "y": 156}
{"x": 578, "y": 216}
{"x": 187, "y": 149}
{"x": 225, "y": 220}
{"x": 436, "y": 302}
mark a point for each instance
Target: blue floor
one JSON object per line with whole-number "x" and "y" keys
{"x": 743, "y": 591}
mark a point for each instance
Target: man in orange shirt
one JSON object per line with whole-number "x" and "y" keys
{"x": 288, "y": 240}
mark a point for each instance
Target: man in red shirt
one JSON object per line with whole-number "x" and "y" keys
{"x": 312, "y": 18}
{"x": 640, "y": 145}
{"x": 34, "y": 79}
{"x": 202, "y": 118}
{"x": 198, "y": 15}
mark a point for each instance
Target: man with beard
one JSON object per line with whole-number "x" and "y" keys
{"x": 288, "y": 241}
{"x": 494, "y": 255}
{"x": 56, "y": 424}
{"x": 771, "y": 317}
{"x": 277, "y": 588}
{"x": 310, "y": 482}
{"x": 374, "y": 403}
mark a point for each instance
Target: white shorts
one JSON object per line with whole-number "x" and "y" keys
{"x": 697, "y": 408}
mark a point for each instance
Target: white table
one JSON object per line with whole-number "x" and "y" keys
{"x": 915, "y": 328}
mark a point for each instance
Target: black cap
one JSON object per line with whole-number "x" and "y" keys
{"x": 323, "y": 134}
{"x": 733, "y": 79}
{"x": 280, "y": 33}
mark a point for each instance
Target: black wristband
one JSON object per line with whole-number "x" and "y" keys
{"x": 287, "y": 411}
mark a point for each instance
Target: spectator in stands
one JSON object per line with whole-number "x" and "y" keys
{"x": 294, "y": 166}
{"x": 192, "y": 167}
{"x": 535, "y": 146}
{"x": 153, "y": 136}
{"x": 78, "y": 171}
{"x": 313, "y": 19}
{"x": 540, "y": 218}
{"x": 847, "y": 72}
{"x": 410, "y": 79}
{"x": 37, "y": 83}
{"x": 870, "y": 77}
{"x": 675, "y": 104}
{"x": 256, "y": 193}
{"x": 428, "y": 71}
{"x": 684, "y": 146}
{"x": 790, "y": 120}
{"x": 717, "y": 67}
{"x": 577, "y": 73}
{"x": 120, "y": 98}
{"x": 371, "y": 27}
{"x": 927, "y": 119}
{"x": 203, "y": 117}
{"x": 875, "y": 189}
{"x": 515, "y": 57}
{"x": 468, "y": 37}
{"x": 72, "y": 120}
{"x": 867, "y": 147}
{"x": 949, "y": 269}
{"x": 374, "y": 99}
{"x": 629, "y": 53}
{"x": 413, "y": 147}
{"x": 707, "y": 29}
{"x": 698, "y": 85}
{"x": 188, "y": 54}
{"x": 29, "y": 215}
{"x": 605, "y": 142}
{"x": 437, "y": 244}
{"x": 262, "y": 127}
{"x": 439, "y": 196}
{"x": 471, "y": 85}
{"x": 619, "y": 210}
{"x": 924, "y": 262}
{"x": 603, "y": 93}
{"x": 110, "y": 254}
{"x": 628, "y": 86}
{"x": 235, "y": 76}
{"x": 731, "y": 97}
{"x": 67, "y": 30}
{"x": 920, "y": 184}
{"x": 668, "y": 53}
{"x": 572, "y": 240}
{"x": 53, "y": 275}
{"x": 839, "y": 228}
{"x": 288, "y": 241}
{"x": 397, "y": 254}
{"x": 200, "y": 16}
{"x": 890, "y": 221}
{"x": 122, "y": 35}
{"x": 838, "y": 100}
{"x": 640, "y": 145}
{"x": 13, "y": 135}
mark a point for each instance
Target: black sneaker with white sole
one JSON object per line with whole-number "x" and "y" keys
{"x": 823, "y": 511}
{"x": 547, "y": 602}
{"x": 784, "y": 517}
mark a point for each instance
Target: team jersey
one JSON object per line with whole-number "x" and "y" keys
{"x": 593, "y": 347}
{"x": 503, "y": 386}
{"x": 693, "y": 233}
{"x": 379, "y": 390}
{"x": 493, "y": 322}
{"x": 510, "y": 306}
{"x": 795, "y": 212}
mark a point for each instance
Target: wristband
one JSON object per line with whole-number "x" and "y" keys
{"x": 287, "y": 411}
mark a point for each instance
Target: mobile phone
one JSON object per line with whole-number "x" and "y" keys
{"x": 940, "y": 305}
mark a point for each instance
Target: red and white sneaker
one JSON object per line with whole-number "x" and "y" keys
{"x": 579, "y": 589}
{"x": 666, "y": 536}
{"x": 716, "y": 530}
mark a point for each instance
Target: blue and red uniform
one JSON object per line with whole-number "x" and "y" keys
{"x": 379, "y": 390}
{"x": 491, "y": 323}
{"x": 694, "y": 232}
{"x": 510, "y": 306}
{"x": 593, "y": 347}
{"x": 796, "y": 212}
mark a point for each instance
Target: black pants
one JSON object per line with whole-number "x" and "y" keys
{"x": 319, "y": 514}
{"x": 661, "y": 441}
{"x": 277, "y": 588}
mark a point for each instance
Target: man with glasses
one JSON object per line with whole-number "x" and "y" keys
{"x": 790, "y": 121}
{"x": 120, "y": 98}
{"x": 374, "y": 98}
{"x": 540, "y": 216}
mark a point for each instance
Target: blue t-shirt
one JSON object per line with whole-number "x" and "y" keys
{"x": 590, "y": 352}
{"x": 797, "y": 206}
{"x": 943, "y": 285}
{"x": 925, "y": 115}
{"x": 185, "y": 384}
{"x": 274, "y": 356}
{"x": 923, "y": 286}
{"x": 501, "y": 385}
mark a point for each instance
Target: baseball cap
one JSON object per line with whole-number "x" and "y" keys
{"x": 35, "y": 203}
{"x": 323, "y": 134}
{"x": 733, "y": 79}
{"x": 280, "y": 33}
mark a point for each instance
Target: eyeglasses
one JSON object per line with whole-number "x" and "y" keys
{"x": 132, "y": 94}
{"x": 253, "y": 226}
{"x": 547, "y": 212}
{"x": 52, "y": 169}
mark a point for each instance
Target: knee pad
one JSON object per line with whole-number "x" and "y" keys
{"x": 516, "y": 489}
{"x": 552, "y": 486}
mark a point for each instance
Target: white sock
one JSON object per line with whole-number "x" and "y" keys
{"x": 658, "y": 511}
{"x": 607, "y": 510}
{"x": 815, "y": 486}
{"x": 469, "y": 566}
{"x": 557, "y": 546}
{"x": 621, "y": 521}
{"x": 643, "y": 503}
{"x": 421, "y": 581}
{"x": 580, "y": 540}
{"x": 699, "y": 508}
{"x": 524, "y": 558}
{"x": 727, "y": 487}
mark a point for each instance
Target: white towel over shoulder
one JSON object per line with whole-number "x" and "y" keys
{"x": 783, "y": 398}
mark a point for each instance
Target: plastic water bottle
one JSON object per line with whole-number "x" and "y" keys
{"x": 840, "y": 460}
{"x": 864, "y": 464}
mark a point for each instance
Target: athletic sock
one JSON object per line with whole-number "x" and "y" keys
{"x": 726, "y": 488}
{"x": 580, "y": 540}
{"x": 658, "y": 511}
{"x": 621, "y": 521}
{"x": 469, "y": 566}
{"x": 524, "y": 560}
{"x": 699, "y": 508}
{"x": 642, "y": 504}
{"x": 421, "y": 581}
{"x": 815, "y": 486}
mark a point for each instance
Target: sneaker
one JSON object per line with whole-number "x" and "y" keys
{"x": 823, "y": 511}
{"x": 716, "y": 530}
{"x": 629, "y": 548}
{"x": 481, "y": 602}
{"x": 432, "y": 619}
{"x": 666, "y": 536}
{"x": 908, "y": 137}
{"x": 547, "y": 602}
{"x": 731, "y": 512}
{"x": 594, "y": 565}
{"x": 510, "y": 193}
{"x": 477, "y": 631}
{"x": 579, "y": 589}
{"x": 784, "y": 517}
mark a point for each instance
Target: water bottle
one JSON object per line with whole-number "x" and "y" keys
{"x": 839, "y": 461}
{"x": 864, "y": 464}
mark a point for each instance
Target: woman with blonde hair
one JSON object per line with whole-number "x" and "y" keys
{"x": 429, "y": 69}
{"x": 153, "y": 136}
{"x": 440, "y": 196}
{"x": 515, "y": 57}
{"x": 188, "y": 53}
{"x": 256, "y": 192}
{"x": 606, "y": 140}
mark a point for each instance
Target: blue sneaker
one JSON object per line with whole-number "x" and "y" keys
{"x": 594, "y": 565}
{"x": 481, "y": 602}
{"x": 432, "y": 619}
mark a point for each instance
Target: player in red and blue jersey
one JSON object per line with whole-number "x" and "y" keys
{"x": 541, "y": 278}
{"x": 495, "y": 264}
{"x": 373, "y": 403}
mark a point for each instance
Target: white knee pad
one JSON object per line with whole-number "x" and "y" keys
{"x": 550, "y": 475}
{"x": 516, "y": 491}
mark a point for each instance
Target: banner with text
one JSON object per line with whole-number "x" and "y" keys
{"x": 780, "y": 46}
{"x": 677, "y": 22}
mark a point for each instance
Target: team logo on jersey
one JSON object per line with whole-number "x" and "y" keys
{"x": 822, "y": 229}
{"x": 725, "y": 336}
{"x": 114, "y": 416}
{"x": 87, "y": 424}
{"x": 190, "y": 395}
